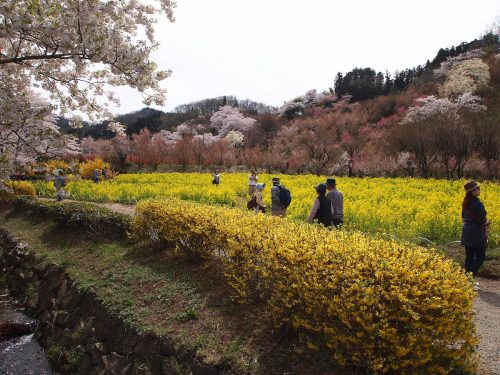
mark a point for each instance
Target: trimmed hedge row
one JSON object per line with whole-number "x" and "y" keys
{"x": 381, "y": 305}
{"x": 88, "y": 216}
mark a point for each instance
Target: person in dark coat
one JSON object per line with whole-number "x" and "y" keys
{"x": 322, "y": 208}
{"x": 474, "y": 228}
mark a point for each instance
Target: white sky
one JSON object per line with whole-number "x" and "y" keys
{"x": 274, "y": 50}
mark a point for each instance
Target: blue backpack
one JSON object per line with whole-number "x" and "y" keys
{"x": 285, "y": 196}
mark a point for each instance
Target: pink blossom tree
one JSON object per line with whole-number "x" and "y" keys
{"x": 228, "y": 118}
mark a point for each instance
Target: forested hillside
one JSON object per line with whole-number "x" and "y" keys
{"x": 438, "y": 119}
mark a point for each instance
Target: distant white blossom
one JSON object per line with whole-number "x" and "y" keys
{"x": 235, "y": 138}
{"x": 206, "y": 138}
{"x": 433, "y": 108}
{"x": 228, "y": 118}
{"x": 450, "y": 62}
{"x": 466, "y": 77}
{"x": 311, "y": 97}
{"x": 116, "y": 128}
{"x": 292, "y": 109}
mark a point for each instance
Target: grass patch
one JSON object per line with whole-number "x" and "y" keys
{"x": 155, "y": 292}
{"x": 490, "y": 267}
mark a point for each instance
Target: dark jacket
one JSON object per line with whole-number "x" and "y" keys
{"x": 324, "y": 214}
{"x": 60, "y": 182}
{"x": 473, "y": 229}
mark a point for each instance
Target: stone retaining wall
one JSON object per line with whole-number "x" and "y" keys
{"x": 78, "y": 333}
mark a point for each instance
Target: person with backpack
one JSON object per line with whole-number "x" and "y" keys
{"x": 60, "y": 183}
{"x": 280, "y": 198}
{"x": 474, "y": 229}
{"x": 95, "y": 176}
{"x": 322, "y": 208}
{"x": 337, "y": 200}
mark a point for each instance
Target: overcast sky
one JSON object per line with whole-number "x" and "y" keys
{"x": 271, "y": 51}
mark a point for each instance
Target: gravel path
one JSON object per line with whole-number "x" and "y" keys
{"x": 486, "y": 307}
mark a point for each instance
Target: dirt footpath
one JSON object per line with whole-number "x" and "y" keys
{"x": 487, "y": 308}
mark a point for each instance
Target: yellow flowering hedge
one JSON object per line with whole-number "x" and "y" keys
{"x": 386, "y": 306}
{"x": 87, "y": 168}
{"x": 19, "y": 188}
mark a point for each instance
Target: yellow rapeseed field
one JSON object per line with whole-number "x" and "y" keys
{"x": 406, "y": 208}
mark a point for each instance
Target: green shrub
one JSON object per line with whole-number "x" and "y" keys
{"x": 94, "y": 219}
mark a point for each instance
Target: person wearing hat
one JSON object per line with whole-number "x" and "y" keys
{"x": 322, "y": 207}
{"x": 276, "y": 208}
{"x": 259, "y": 198}
{"x": 60, "y": 183}
{"x": 337, "y": 200}
{"x": 474, "y": 228}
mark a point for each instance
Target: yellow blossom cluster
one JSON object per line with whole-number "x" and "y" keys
{"x": 403, "y": 207}
{"x": 383, "y": 305}
{"x": 16, "y": 188}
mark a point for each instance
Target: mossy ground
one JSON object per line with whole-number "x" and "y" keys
{"x": 157, "y": 291}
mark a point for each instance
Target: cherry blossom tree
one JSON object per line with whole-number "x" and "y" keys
{"x": 228, "y": 118}
{"x": 74, "y": 51}
{"x": 117, "y": 128}
{"x": 467, "y": 77}
{"x": 27, "y": 127}
{"x": 292, "y": 109}
{"x": 311, "y": 97}
{"x": 235, "y": 138}
{"x": 435, "y": 128}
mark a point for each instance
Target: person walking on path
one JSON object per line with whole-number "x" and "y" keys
{"x": 216, "y": 178}
{"x": 95, "y": 176}
{"x": 322, "y": 207}
{"x": 337, "y": 200}
{"x": 474, "y": 229}
{"x": 276, "y": 207}
{"x": 252, "y": 182}
{"x": 60, "y": 183}
{"x": 259, "y": 199}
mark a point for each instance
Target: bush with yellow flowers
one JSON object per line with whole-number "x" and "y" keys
{"x": 385, "y": 306}
{"x": 17, "y": 188}
{"x": 53, "y": 164}
{"x": 87, "y": 168}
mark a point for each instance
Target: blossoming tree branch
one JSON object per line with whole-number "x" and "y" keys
{"x": 74, "y": 51}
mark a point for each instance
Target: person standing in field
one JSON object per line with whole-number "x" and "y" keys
{"x": 474, "y": 229}
{"x": 337, "y": 200}
{"x": 216, "y": 177}
{"x": 259, "y": 199}
{"x": 322, "y": 207}
{"x": 95, "y": 176}
{"x": 277, "y": 208}
{"x": 252, "y": 182}
{"x": 60, "y": 183}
